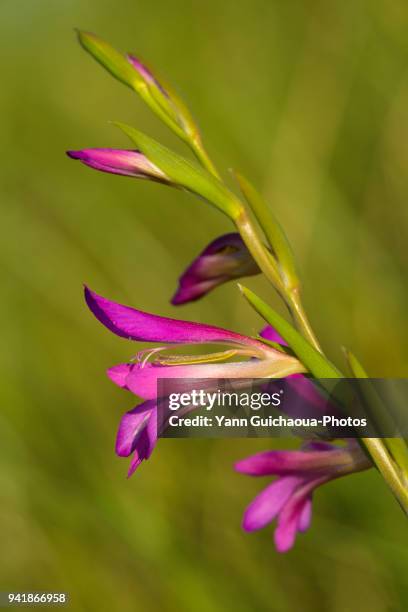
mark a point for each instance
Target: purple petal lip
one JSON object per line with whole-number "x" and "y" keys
{"x": 137, "y": 434}
{"x": 225, "y": 258}
{"x": 137, "y": 325}
{"x": 295, "y": 515}
{"x": 305, "y": 515}
{"x": 267, "y": 505}
{"x": 131, "y": 426}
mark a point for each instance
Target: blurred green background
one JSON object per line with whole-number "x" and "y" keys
{"x": 310, "y": 99}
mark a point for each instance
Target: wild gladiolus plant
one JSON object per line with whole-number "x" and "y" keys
{"x": 257, "y": 245}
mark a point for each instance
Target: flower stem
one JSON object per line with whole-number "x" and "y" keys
{"x": 388, "y": 470}
{"x": 259, "y": 252}
{"x": 270, "y": 268}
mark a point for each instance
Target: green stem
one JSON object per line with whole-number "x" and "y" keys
{"x": 388, "y": 470}
{"x": 270, "y": 268}
{"x": 259, "y": 252}
{"x": 399, "y": 451}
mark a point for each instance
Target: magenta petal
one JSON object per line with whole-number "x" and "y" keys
{"x": 134, "y": 464}
{"x": 305, "y": 515}
{"x": 270, "y": 333}
{"x": 119, "y": 373}
{"x": 288, "y": 462}
{"x": 135, "y": 324}
{"x": 145, "y": 443}
{"x": 293, "y": 516}
{"x": 285, "y": 533}
{"x": 267, "y": 505}
{"x": 131, "y": 427}
{"x": 192, "y": 290}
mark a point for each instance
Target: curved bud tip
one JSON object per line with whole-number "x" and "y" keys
{"x": 116, "y": 161}
{"x": 224, "y": 259}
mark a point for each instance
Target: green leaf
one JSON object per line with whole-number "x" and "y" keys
{"x": 314, "y": 361}
{"x": 112, "y": 60}
{"x": 185, "y": 173}
{"x": 273, "y": 231}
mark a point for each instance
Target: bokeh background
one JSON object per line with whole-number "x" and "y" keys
{"x": 310, "y": 100}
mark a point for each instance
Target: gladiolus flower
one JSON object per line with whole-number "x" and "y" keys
{"x": 141, "y": 377}
{"x": 258, "y": 360}
{"x": 300, "y": 472}
{"x": 224, "y": 259}
{"x": 117, "y": 161}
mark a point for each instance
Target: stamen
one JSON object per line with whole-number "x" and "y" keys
{"x": 143, "y": 356}
{"x": 208, "y": 358}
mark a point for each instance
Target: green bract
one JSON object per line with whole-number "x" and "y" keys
{"x": 273, "y": 231}
{"x": 314, "y": 361}
{"x": 112, "y": 60}
{"x": 185, "y": 173}
{"x": 161, "y": 99}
